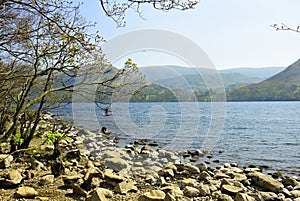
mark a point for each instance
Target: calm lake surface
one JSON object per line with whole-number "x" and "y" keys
{"x": 258, "y": 133}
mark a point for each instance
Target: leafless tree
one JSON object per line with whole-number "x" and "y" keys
{"x": 116, "y": 9}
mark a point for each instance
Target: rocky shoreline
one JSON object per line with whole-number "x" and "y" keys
{"x": 96, "y": 169}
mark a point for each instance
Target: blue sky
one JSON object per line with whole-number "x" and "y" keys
{"x": 233, "y": 33}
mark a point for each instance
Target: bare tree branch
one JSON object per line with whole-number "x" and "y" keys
{"x": 284, "y": 27}
{"x": 116, "y": 10}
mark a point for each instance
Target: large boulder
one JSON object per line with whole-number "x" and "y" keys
{"x": 265, "y": 182}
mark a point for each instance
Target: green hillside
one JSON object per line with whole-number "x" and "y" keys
{"x": 280, "y": 87}
{"x": 195, "y": 82}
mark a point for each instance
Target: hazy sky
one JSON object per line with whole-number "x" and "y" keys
{"x": 233, "y": 33}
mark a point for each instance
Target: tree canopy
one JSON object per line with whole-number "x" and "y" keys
{"x": 44, "y": 47}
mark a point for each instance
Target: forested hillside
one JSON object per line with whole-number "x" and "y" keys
{"x": 280, "y": 87}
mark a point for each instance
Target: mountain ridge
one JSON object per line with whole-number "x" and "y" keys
{"x": 280, "y": 87}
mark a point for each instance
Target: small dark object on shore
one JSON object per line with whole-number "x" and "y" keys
{"x": 104, "y": 130}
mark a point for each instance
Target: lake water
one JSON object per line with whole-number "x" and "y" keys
{"x": 258, "y": 133}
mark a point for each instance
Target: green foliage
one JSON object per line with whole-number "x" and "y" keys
{"x": 154, "y": 93}
{"x": 17, "y": 139}
{"x": 54, "y": 138}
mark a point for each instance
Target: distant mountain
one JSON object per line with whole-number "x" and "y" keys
{"x": 195, "y": 82}
{"x": 262, "y": 73}
{"x": 282, "y": 86}
{"x": 178, "y": 77}
{"x": 154, "y": 73}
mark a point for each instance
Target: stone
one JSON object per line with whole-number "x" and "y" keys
{"x": 12, "y": 178}
{"x": 107, "y": 193}
{"x": 188, "y": 182}
{"x": 202, "y": 167}
{"x": 170, "y": 198}
{"x": 47, "y": 179}
{"x": 93, "y": 172}
{"x": 71, "y": 179}
{"x": 147, "y": 150}
{"x": 248, "y": 170}
{"x": 37, "y": 165}
{"x": 116, "y": 163}
{"x": 173, "y": 190}
{"x": 166, "y": 172}
{"x": 224, "y": 197}
{"x": 268, "y": 196}
{"x": 5, "y": 160}
{"x": 96, "y": 195}
{"x": 295, "y": 193}
{"x": 153, "y": 195}
{"x": 243, "y": 197}
{"x": 79, "y": 191}
{"x": 191, "y": 168}
{"x": 204, "y": 176}
{"x": 111, "y": 178}
{"x": 221, "y": 175}
{"x": 191, "y": 192}
{"x": 265, "y": 182}
{"x": 289, "y": 182}
{"x": 213, "y": 188}
{"x": 230, "y": 190}
{"x": 26, "y": 192}
{"x": 125, "y": 187}
{"x": 204, "y": 189}
{"x": 239, "y": 177}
